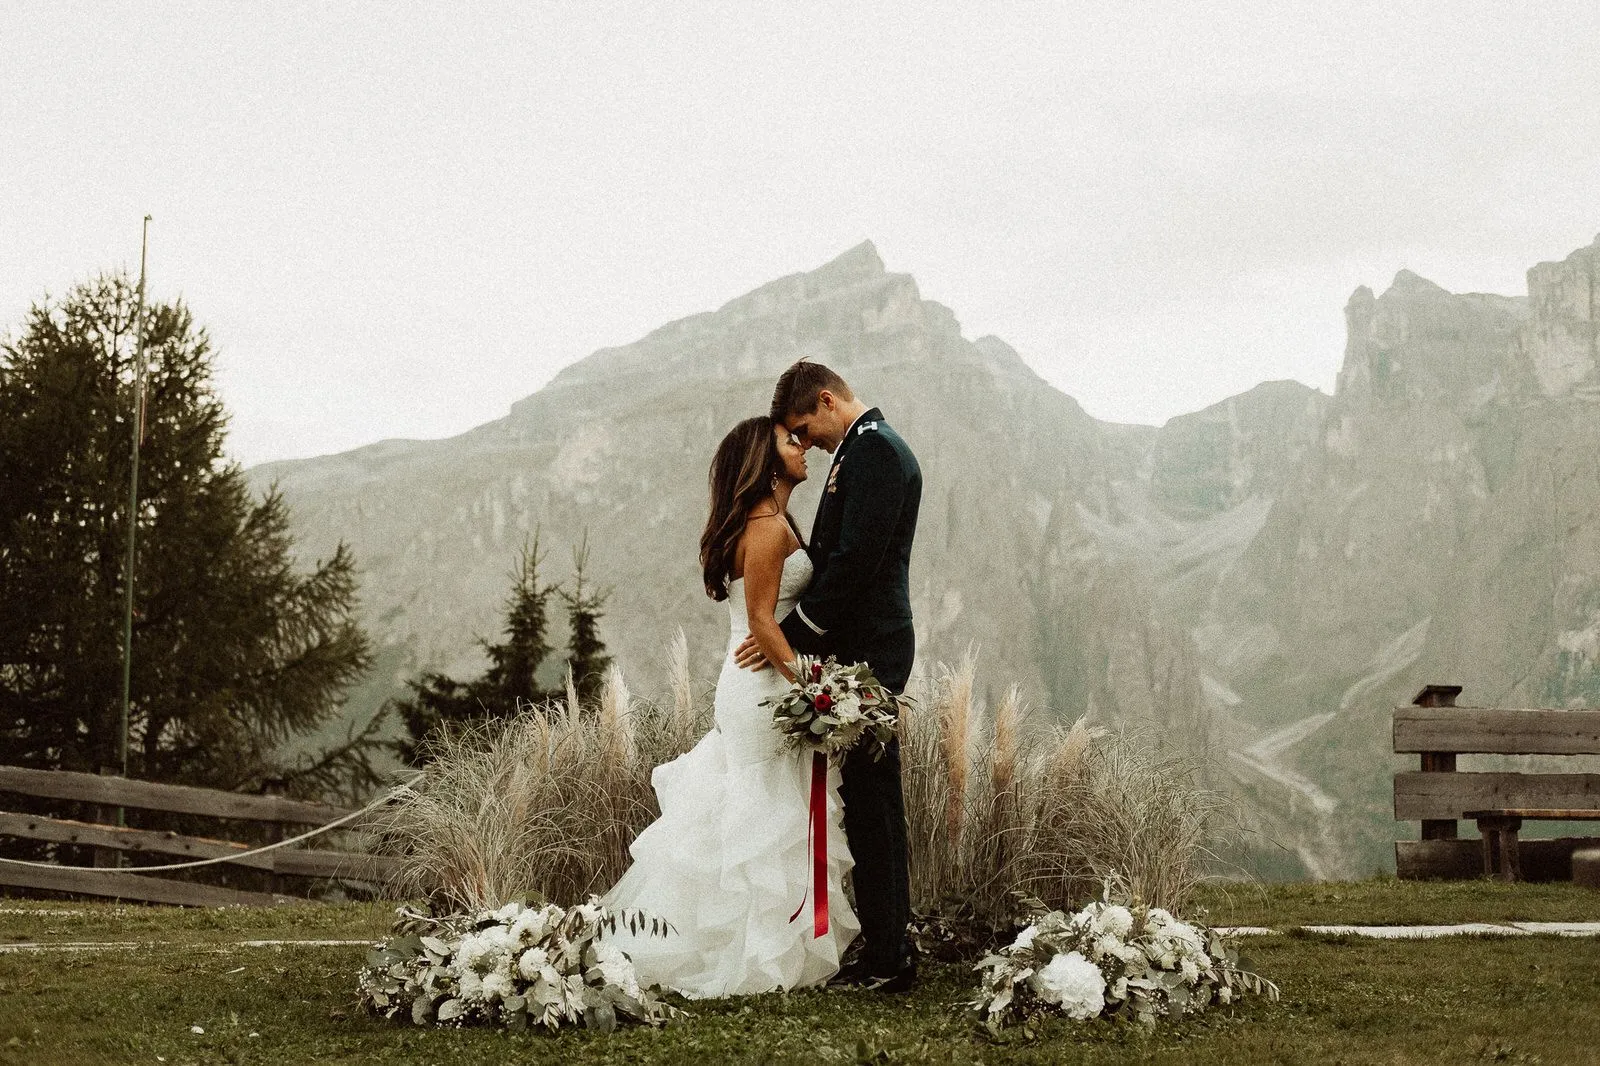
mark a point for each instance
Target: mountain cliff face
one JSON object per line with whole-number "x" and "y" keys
{"x": 1442, "y": 528}
{"x": 1259, "y": 581}
{"x": 618, "y": 446}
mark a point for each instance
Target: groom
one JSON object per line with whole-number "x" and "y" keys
{"x": 858, "y": 608}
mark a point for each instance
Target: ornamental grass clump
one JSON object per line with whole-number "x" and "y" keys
{"x": 1124, "y": 960}
{"x": 545, "y": 804}
{"x": 1002, "y": 802}
{"x": 540, "y": 805}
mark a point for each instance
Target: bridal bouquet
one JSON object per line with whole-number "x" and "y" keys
{"x": 1135, "y": 962}
{"x": 518, "y": 966}
{"x": 830, "y": 708}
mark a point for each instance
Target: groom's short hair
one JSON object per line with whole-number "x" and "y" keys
{"x": 800, "y": 386}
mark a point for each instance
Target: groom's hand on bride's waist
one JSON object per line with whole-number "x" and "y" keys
{"x": 748, "y": 655}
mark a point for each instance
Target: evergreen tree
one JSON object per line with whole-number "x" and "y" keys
{"x": 234, "y": 650}
{"x": 437, "y": 700}
{"x": 586, "y": 652}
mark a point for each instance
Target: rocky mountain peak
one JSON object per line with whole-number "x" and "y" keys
{"x": 1561, "y": 341}
{"x": 860, "y": 262}
{"x": 1419, "y": 341}
{"x": 1408, "y": 285}
{"x": 850, "y": 310}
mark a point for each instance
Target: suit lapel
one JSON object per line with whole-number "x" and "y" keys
{"x": 872, "y": 414}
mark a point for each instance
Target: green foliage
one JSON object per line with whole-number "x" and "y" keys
{"x": 234, "y": 649}
{"x": 437, "y": 700}
{"x": 511, "y": 680}
{"x": 586, "y": 653}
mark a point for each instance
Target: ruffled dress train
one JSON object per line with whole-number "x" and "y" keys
{"x": 727, "y": 865}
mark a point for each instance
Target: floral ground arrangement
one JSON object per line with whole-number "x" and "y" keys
{"x": 1109, "y": 960}
{"x": 518, "y": 966}
{"x": 1527, "y": 999}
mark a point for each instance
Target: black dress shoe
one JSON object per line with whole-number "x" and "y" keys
{"x": 853, "y": 975}
{"x": 901, "y": 981}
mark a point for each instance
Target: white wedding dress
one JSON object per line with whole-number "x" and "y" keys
{"x": 727, "y": 862}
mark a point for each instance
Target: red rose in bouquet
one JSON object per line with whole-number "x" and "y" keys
{"x": 830, "y": 708}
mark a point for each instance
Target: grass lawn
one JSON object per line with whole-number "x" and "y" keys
{"x": 1345, "y": 999}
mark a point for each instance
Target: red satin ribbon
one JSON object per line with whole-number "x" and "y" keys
{"x": 817, "y": 848}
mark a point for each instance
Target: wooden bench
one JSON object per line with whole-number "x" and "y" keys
{"x": 1498, "y": 829}
{"x": 1437, "y": 795}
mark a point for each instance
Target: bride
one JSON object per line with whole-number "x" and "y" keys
{"x": 727, "y": 864}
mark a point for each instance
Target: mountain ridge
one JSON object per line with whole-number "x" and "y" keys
{"x": 1254, "y": 582}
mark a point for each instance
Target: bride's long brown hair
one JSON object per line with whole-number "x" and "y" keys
{"x": 741, "y": 476}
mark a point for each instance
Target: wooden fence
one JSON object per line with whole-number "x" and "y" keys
{"x": 108, "y": 840}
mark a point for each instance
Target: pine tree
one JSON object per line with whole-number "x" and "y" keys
{"x": 235, "y": 650}
{"x": 437, "y": 700}
{"x": 586, "y": 652}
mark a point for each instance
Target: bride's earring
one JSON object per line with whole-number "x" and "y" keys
{"x": 774, "y": 481}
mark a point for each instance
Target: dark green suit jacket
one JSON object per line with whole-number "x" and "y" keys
{"x": 858, "y": 606}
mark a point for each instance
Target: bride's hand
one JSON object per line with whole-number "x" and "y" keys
{"x": 748, "y": 655}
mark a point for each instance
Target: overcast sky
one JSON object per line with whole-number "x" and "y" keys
{"x": 397, "y": 219}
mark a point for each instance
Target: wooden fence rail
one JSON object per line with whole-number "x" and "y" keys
{"x": 177, "y": 799}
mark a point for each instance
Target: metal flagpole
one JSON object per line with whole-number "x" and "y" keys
{"x": 133, "y": 505}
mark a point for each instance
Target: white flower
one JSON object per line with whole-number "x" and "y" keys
{"x": 496, "y": 986}
{"x": 1224, "y": 995}
{"x": 1115, "y": 920}
{"x": 590, "y": 913}
{"x": 1191, "y": 972}
{"x": 470, "y": 986}
{"x": 1106, "y": 946}
{"x": 508, "y": 913}
{"x": 532, "y": 961}
{"x": 530, "y": 925}
{"x": 1024, "y": 939}
{"x": 1073, "y": 983}
{"x": 1188, "y": 937}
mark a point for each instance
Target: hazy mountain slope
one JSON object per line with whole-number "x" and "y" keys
{"x": 1443, "y": 529}
{"x": 1261, "y": 580}
{"x": 618, "y": 445}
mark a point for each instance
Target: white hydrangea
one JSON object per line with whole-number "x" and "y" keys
{"x": 496, "y": 986}
{"x": 1073, "y": 983}
{"x": 1024, "y": 939}
{"x": 616, "y": 968}
{"x": 469, "y": 986}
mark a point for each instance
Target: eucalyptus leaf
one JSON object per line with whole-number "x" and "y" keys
{"x": 450, "y": 1009}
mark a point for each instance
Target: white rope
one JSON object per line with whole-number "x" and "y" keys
{"x": 235, "y": 857}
